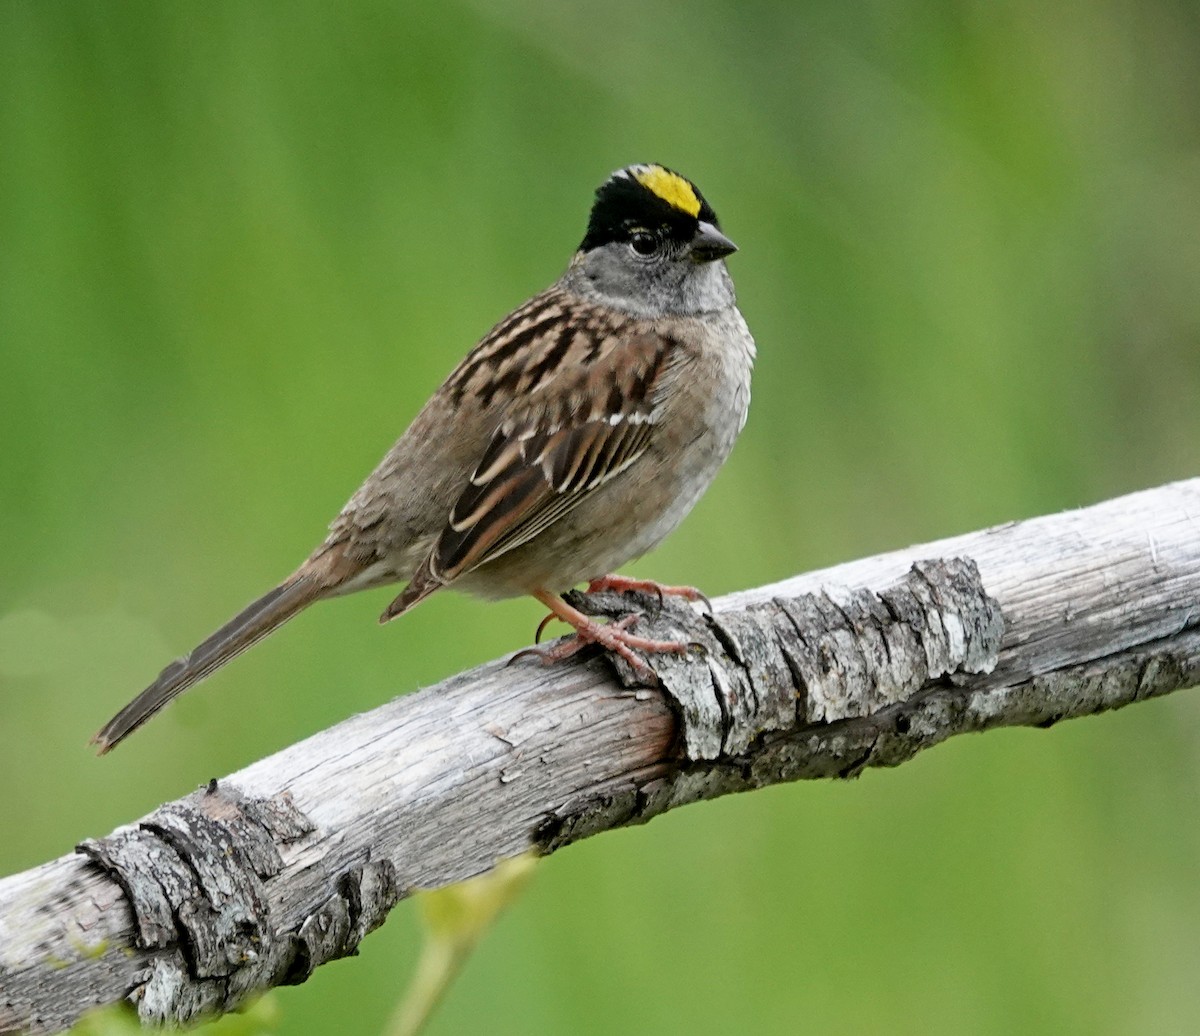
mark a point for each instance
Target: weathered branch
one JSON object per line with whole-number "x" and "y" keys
{"x": 263, "y": 876}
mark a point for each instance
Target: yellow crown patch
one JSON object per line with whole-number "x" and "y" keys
{"x": 671, "y": 187}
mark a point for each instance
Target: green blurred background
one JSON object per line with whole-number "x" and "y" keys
{"x": 240, "y": 243}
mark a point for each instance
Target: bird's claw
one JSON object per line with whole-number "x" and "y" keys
{"x": 623, "y": 584}
{"x": 614, "y": 637}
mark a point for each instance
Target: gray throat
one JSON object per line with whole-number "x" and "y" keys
{"x": 704, "y": 288}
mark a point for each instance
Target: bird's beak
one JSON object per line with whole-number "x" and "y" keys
{"x": 709, "y": 244}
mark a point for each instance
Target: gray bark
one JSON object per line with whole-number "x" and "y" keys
{"x": 264, "y": 875}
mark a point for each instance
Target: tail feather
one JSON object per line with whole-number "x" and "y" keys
{"x": 244, "y": 630}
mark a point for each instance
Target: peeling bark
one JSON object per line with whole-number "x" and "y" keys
{"x": 257, "y": 879}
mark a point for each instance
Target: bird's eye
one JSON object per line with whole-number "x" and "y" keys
{"x": 643, "y": 243}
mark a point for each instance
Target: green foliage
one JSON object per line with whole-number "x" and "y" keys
{"x": 454, "y": 920}
{"x": 115, "y": 1020}
{"x": 260, "y": 1018}
{"x": 241, "y": 242}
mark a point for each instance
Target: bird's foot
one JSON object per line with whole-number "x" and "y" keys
{"x": 612, "y": 636}
{"x": 623, "y": 584}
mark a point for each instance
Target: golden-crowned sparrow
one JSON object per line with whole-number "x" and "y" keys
{"x": 574, "y": 437}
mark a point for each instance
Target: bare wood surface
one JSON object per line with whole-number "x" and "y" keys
{"x": 266, "y": 874}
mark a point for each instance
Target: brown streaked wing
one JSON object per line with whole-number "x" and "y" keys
{"x": 509, "y": 356}
{"x": 548, "y": 458}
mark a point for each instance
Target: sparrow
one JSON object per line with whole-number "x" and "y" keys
{"x": 573, "y": 438}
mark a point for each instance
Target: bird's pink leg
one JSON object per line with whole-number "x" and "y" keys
{"x": 613, "y": 636}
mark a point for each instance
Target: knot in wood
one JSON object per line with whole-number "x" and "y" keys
{"x": 841, "y": 653}
{"x": 196, "y": 875}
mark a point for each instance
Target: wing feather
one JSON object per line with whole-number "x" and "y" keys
{"x": 583, "y": 426}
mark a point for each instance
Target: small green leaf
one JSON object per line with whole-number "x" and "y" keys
{"x": 454, "y": 919}
{"x": 113, "y": 1020}
{"x": 260, "y": 1018}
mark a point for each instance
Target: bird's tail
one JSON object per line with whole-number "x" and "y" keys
{"x": 245, "y": 629}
